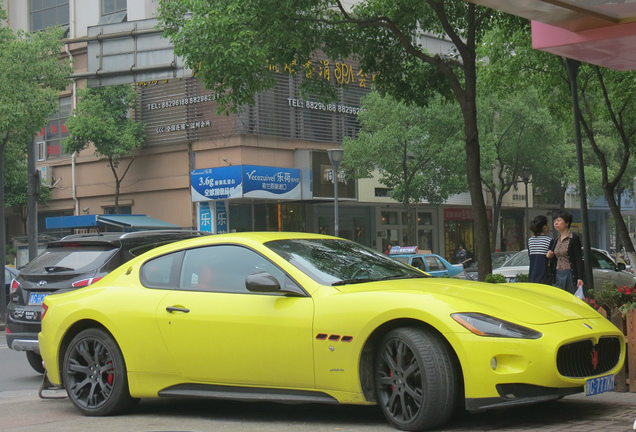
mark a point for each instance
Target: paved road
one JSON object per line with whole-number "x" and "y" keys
{"x": 22, "y": 410}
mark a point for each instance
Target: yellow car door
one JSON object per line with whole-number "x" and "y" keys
{"x": 218, "y": 332}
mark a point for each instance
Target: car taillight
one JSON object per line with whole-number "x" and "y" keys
{"x": 85, "y": 282}
{"x": 44, "y": 309}
{"x": 14, "y": 286}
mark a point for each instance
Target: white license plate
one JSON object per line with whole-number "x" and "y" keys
{"x": 37, "y": 298}
{"x": 599, "y": 385}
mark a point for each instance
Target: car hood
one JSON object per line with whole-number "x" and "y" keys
{"x": 521, "y": 302}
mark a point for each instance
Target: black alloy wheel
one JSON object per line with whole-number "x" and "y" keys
{"x": 415, "y": 378}
{"x": 94, "y": 374}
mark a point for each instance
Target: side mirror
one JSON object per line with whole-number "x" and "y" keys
{"x": 621, "y": 266}
{"x": 262, "y": 282}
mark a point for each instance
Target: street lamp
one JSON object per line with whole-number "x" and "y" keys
{"x": 525, "y": 175}
{"x": 335, "y": 157}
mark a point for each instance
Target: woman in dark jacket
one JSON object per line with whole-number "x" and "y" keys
{"x": 566, "y": 247}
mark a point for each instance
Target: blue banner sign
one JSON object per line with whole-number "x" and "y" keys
{"x": 250, "y": 181}
{"x": 221, "y": 217}
{"x": 205, "y": 217}
{"x": 271, "y": 182}
{"x": 216, "y": 183}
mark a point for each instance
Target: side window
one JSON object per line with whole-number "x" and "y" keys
{"x": 161, "y": 272}
{"x": 434, "y": 263}
{"x": 223, "y": 268}
{"x": 418, "y": 263}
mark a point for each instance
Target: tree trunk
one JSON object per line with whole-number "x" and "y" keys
{"x": 117, "y": 185}
{"x": 473, "y": 173}
{"x": 621, "y": 229}
{"x": 3, "y": 294}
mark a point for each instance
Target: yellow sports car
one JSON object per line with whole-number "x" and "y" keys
{"x": 296, "y": 317}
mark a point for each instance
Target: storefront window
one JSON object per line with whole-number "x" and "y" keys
{"x": 389, "y": 218}
{"x": 424, "y": 218}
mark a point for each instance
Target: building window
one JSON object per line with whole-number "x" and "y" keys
{"x": 124, "y": 210}
{"x": 41, "y": 151}
{"x": 113, "y": 11}
{"x": 48, "y": 13}
{"x": 55, "y": 131}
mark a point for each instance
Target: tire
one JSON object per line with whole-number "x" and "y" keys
{"x": 35, "y": 360}
{"x": 95, "y": 376}
{"x": 415, "y": 379}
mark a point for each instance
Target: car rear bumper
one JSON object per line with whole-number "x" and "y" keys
{"x": 23, "y": 342}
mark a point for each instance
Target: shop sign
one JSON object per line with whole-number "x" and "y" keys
{"x": 205, "y": 217}
{"x": 221, "y": 217}
{"x": 216, "y": 183}
{"x": 250, "y": 181}
{"x": 271, "y": 182}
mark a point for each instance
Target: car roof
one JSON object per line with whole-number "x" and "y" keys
{"x": 124, "y": 238}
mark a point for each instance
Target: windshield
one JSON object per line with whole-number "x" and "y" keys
{"x": 338, "y": 262}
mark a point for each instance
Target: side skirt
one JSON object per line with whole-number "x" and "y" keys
{"x": 246, "y": 394}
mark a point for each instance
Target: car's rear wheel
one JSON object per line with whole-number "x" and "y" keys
{"x": 94, "y": 374}
{"x": 416, "y": 382}
{"x": 35, "y": 360}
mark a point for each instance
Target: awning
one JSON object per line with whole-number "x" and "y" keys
{"x": 120, "y": 221}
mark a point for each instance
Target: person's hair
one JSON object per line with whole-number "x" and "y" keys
{"x": 566, "y": 216}
{"x": 537, "y": 224}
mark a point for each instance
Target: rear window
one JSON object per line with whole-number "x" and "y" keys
{"x": 72, "y": 258}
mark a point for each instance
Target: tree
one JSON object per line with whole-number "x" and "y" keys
{"x": 31, "y": 77}
{"x": 412, "y": 148}
{"x": 229, "y": 44}
{"x": 607, "y": 107}
{"x": 516, "y": 133}
{"x": 16, "y": 179}
{"x": 102, "y": 118}
{"x": 607, "y": 99}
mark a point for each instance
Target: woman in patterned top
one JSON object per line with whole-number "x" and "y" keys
{"x": 566, "y": 247}
{"x": 538, "y": 247}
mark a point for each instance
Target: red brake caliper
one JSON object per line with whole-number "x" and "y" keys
{"x": 111, "y": 376}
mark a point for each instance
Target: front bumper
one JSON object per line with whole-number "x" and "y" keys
{"x": 519, "y": 394}
{"x": 503, "y": 372}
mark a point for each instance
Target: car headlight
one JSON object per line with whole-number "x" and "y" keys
{"x": 485, "y": 325}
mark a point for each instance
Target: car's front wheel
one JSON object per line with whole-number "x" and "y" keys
{"x": 94, "y": 374}
{"x": 416, "y": 382}
{"x": 35, "y": 360}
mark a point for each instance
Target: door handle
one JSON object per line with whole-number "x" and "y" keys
{"x": 177, "y": 309}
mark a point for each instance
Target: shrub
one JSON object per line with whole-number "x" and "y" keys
{"x": 609, "y": 297}
{"x": 495, "y": 278}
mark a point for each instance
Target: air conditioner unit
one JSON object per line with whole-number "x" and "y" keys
{"x": 46, "y": 175}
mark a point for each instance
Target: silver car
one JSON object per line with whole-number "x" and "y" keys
{"x": 603, "y": 269}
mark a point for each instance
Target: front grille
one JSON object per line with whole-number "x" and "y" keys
{"x": 584, "y": 359}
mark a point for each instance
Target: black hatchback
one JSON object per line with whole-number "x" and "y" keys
{"x": 73, "y": 262}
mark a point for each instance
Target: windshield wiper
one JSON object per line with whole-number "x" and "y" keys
{"x": 422, "y": 276}
{"x": 55, "y": 269}
{"x": 351, "y": 281}
{"x": 361, "y": 280}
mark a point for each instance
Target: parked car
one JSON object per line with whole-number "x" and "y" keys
{"x": 300, "y": 317}
{"x": 431, "y": 263}
{"x": 604, "y": 269}
{"x": 73, "y": 262}
{"x": 498, "y": 259}
{"x": 9, "y": 274}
